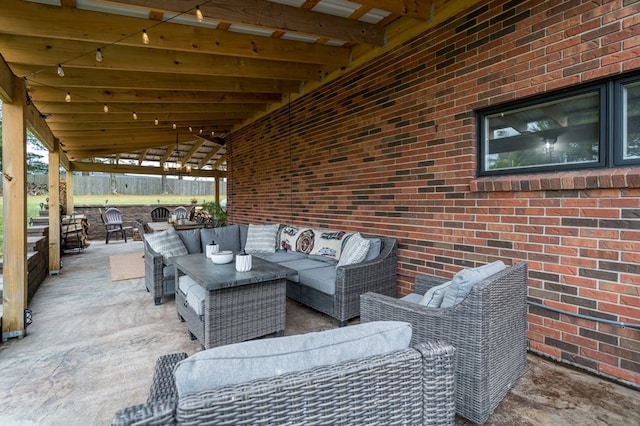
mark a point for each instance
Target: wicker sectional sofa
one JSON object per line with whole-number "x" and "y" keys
{"x": 321, "y": 282}
{"x": 361, "y": 374}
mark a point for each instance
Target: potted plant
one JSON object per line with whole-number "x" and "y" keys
{"x": 216, "y": 213}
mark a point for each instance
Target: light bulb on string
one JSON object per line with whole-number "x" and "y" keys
{"x": 190, "y": 129}
{"x": 155, "y": 121}
{"x": 60, "y": 71}
{"x": 201, "y": 131}
{"x": 199, "y": 16}
{"x": 145, "y": 37}
{"x": 105, "y": 108}
{"x": 174, "y": 126}
{"x": 99, "y": 55}
{"x": 68, "y": 97}
{"x": 135, "y": 116}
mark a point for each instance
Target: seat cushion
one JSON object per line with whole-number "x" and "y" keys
{"x": 301, "y": 265}
{"x": 261, "y": 238}
{"x": 167, "y": 243}
{"x": 281, "y": 256}
{"x": 322, "y": 279}
{"x": 246, "y": 361}
{"x": 194, "y": 293}
{"x": 462, "y": 282}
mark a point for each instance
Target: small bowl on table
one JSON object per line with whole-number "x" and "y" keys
{"x": 222, "y": 257}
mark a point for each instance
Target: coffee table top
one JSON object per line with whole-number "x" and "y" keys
{"x": 214, "y": 277}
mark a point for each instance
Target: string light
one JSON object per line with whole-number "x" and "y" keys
{"x": 60, "y": 71}
{"x": 99, "y": 55}
{"x": 199, "y": 16}
{"x": 145, "y": 37}
{"x": 200, "y": 131}
{"x": 190, "y": 129}
{"x": 105, "y": 108}
{"x": 135, "y": 116}
{"x": 68, "y": 97}
{"x": 174, "y": 126}
{"x": 155, "y": 121}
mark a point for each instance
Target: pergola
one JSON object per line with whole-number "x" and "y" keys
{"x": 81, "y": 76}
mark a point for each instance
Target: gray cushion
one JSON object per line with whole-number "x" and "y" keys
{"x": 243, "y": 234}
{"x": 193, "y": 292}
{"x": 227, "y": 237}
{"x": 375, "y": 246}
{"x": 322, "y": 279}
{"x": 462, "y": 282}
{"x": 243, "y": 362}
{"x": 167, "y": 243}
{"x": 355, "y": 250}
{"x": 412, "y": 298}
{"x": 191, "y": 240}
{"x": 261, "y": 238}
{"x": 281, "y": 256}
{"x": 301, "y": 265}
{"x": 433, "y": 297}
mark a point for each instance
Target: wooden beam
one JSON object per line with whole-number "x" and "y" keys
{"x": 132, "y": 169}
{"x": 419, "y": 9}
{"x": 14, "y": 186}
{"x": 127, "y": 109}
{"x": 112, "y": 96}
{"x": 20, "y": 17}
{"x": 108, "y": 79}
{"x": 261, "y": 13}
{"x": 6, "y": 82}
{"x": 69, "y": 187}
{"x": 39, "y": 127}
{"x": 43, "y": 52}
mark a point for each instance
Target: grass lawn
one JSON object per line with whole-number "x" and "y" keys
{"x": 33, "y": 203}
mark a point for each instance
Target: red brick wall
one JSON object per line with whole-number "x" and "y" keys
{"x": 391, "y": 149}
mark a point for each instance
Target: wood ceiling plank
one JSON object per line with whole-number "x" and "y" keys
{"x": 220, "y": 125}
{"x": 418, "y": 9}
{"x": 47, "y": 53}
{"x": 79, "y": 166}
{"x": 165, "y": 120}
{"x": 22, "y": 17}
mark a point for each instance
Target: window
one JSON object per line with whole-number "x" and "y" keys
{"x": 572, "y": 129}
{"x": 630, "y": 106}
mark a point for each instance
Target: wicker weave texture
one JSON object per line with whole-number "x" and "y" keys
{"x": 414, "y": 386}
{"x": 237, "y": 314}
{"x": 488, "y": 329}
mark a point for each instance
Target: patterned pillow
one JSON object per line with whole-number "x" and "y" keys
{"x": 321, "y": 242}
{"x": 167, "y": 243}
{"x": 261, "y": 238}
{"x": 355, "y": 250}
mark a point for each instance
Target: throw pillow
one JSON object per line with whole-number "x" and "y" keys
{"x": 265, "y": 358}
{"x": 355, "y": 250}
{"x": 433, "y": 297}
{"x": 463, "y": 281}
{"x": 261, "y": 238}
{"x": 167, "y": 243}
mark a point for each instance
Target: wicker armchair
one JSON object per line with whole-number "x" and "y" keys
{"x": 488, "y": 330}
{"x": 414, "y": 386}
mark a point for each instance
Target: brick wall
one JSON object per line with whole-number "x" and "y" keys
{"x": 390, "y": 149}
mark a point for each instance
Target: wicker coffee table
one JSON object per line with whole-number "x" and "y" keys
{"x": 238, "y": 306}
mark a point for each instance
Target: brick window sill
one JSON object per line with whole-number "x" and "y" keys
{"x": 626, "y": 177}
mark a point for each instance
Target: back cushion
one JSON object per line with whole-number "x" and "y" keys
{"x": 322, "y": 242}
{"x": 191, "y": 240}
{"x": 261, "y": 238}
{"x": 167, "y": 243}
{"x": 462, "y": 282}
{"x": 227, "y": 237}
{"x": 246, "y": 361}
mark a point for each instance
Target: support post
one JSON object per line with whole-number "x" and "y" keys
{"x": 54, "y": 210}
{"x": 69, "y": 201}
{"x": 14, "y": 186}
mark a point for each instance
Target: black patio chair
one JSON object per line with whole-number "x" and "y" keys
{"x": 160, "y": 214}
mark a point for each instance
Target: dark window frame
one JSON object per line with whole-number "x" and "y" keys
{"x": 610, "y": 127}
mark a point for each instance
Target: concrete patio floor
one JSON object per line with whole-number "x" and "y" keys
{"x": 93, "y": 343}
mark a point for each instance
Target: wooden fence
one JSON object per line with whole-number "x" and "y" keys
{"x": 136, "y": 185}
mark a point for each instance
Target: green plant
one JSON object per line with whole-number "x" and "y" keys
{"x": 216, "y": 212}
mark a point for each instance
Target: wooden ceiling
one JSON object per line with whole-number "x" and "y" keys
{"x": 245, "y": 59}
